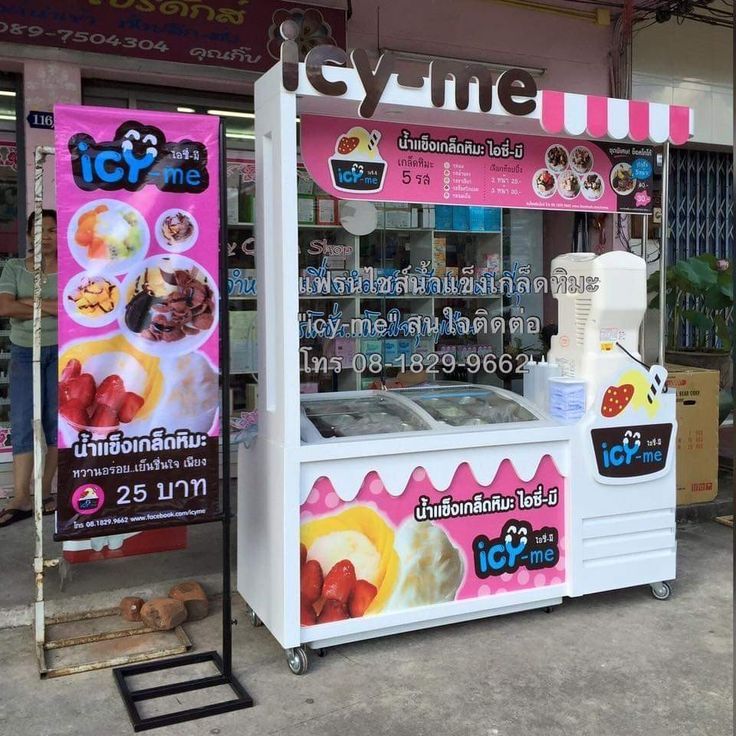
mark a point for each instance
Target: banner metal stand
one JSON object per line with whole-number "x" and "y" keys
{"x": 223, "y": 664}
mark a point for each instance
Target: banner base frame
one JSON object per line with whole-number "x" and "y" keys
{"x": 131, "y": 698}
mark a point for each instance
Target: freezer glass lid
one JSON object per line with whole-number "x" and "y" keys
{"x": 354, "y": 417}
{"x": 468, "y": 406}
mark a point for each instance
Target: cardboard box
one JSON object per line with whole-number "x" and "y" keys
{"x": 697, "y": 432}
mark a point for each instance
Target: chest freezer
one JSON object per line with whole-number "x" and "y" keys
{"x": 354, "y": 414}
{"x": 439, "y": 407}
{"x": 466, "y": 405}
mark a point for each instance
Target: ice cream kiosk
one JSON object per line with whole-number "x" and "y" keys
{"x": 366, "y": 513}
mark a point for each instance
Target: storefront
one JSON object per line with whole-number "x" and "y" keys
{"x": 82, "y": 69}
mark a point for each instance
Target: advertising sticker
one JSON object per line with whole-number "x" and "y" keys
{"x": 397, "y": 162}
{"x": 138, "y": 214}
{"x": 381, "y": 553}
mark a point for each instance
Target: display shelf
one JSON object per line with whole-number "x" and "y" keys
{"x": 387, "y": 247}
{"x": 408, "y": 229}
{"x": 469, "y": 232}
{"x": 315, "y": 226}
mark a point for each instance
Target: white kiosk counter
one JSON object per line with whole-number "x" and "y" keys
{"x": 368, "y": 513}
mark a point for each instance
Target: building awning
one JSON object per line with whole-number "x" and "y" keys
{"x": 608, "y": 117}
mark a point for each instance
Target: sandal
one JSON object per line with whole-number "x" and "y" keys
{"x": 15, "y": 515}
{"x": 46, "y": 501}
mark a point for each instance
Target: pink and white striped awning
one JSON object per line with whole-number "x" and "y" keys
{"x": 608, "y": 117}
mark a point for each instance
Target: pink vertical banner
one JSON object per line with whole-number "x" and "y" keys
{"x": 139, "y": 237}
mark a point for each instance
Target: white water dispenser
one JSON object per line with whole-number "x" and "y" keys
{"x": 601, "y": 302}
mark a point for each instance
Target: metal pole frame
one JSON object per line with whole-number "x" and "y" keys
{"x": 663, "y": 245}
{"x": 644, "y": 244}
{"x": 38, "y": 562}
{"x": 223, "y": 664}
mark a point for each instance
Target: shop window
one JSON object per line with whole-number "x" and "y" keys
{"x": 12, "y": 236}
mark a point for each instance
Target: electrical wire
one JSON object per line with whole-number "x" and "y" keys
{"x": 640, "y": 362}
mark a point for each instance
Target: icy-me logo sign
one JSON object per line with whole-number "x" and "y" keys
{"x": 631, "y": 452}
{"x": 138, "y": 155}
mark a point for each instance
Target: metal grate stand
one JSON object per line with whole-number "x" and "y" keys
{"x": 132, "y": 698}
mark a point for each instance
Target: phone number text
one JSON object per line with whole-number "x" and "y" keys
{"x": 84, "y": 37}
{"x": 375, "y": 364}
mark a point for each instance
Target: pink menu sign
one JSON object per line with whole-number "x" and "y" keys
{"x": 396, "y": 162}
{"x": 139, "y": 230}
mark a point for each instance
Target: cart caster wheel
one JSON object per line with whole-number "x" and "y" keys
{"x": 321, "y": 652}
{"x": 297, "y": 660}
{"x": 548, "y": 609}
{"x": 253, "y": 618}
{"x": 661, "y": 591}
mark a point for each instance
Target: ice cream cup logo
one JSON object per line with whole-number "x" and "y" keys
{"x": 356, "y": 165}
{"x": 88, "y": 499}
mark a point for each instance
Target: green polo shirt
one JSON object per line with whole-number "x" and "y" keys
{"x": 17, "y": 280}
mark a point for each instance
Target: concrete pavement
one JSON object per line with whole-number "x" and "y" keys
{"x": 614, "y": 664}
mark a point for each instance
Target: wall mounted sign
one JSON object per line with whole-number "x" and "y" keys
{"x": 40, "y": 119}
{"x": 395, "y": 162}
{"x": 139, "y": 401}
{"x": 238, "y": 34}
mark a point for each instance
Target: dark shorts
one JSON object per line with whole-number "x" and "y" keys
{"x": 21, "y": 396}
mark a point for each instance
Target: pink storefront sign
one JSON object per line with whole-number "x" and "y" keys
{"x": 139, "y": 228}
{"x": 431, "y": 545}
{"x": 396, "y": 162}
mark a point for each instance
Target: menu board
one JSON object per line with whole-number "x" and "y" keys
{"x": 138, "y": 217}
{"x": 396, "y": 162}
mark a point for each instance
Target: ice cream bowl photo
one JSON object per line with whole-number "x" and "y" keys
{"x": 170, "y": 307}
{"x": 544, "y": 183}
{"x": 192, "y": 400}
{"x": 581, "y": 160}
{"x": 568, "y": 185}
{"x": 347, "y": 558}
{"x": 92, "y": 300}
{"x": 622, "y": 179}
{"x": 108, "y": 236}
{"x": 556, "y": 158}
{"x": 176, "y": 230}
{"x": 357, "y": 165}
{"x": 593, "y": 187}
{"x": 107, "y": 386}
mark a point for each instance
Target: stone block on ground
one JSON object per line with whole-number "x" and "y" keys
{"x": 163, "y": 613}
{"x": 130, "y": 608}
{"x": 192, "y": 595}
